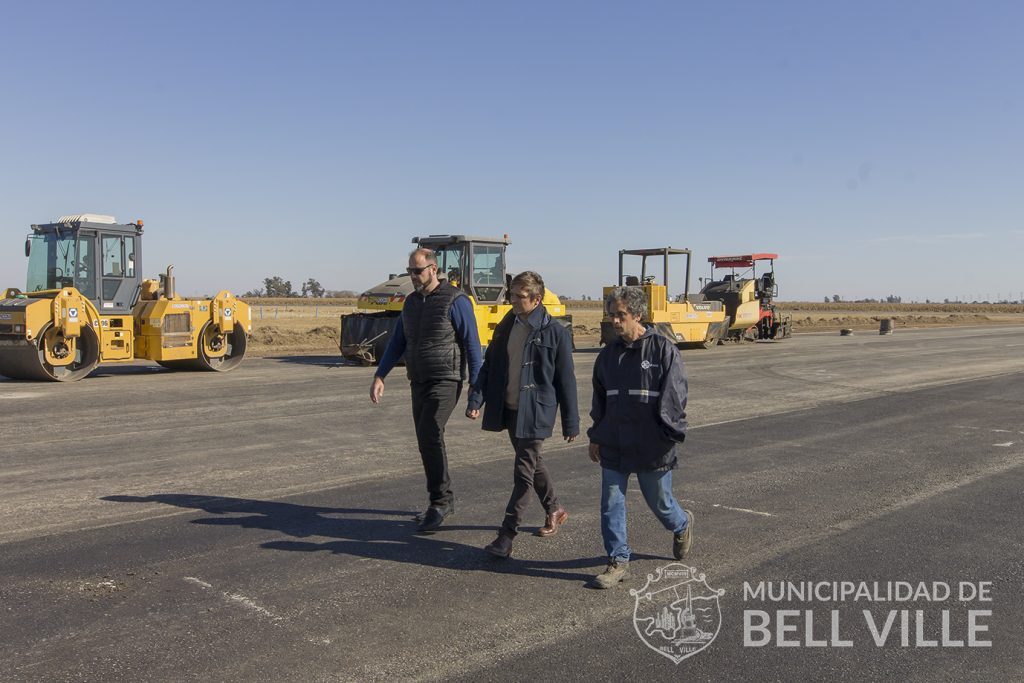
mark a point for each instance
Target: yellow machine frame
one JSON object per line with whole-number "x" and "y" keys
{"x": 687, "y": 323}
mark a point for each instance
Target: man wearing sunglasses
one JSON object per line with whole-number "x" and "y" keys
{"x": 438, "y": 335}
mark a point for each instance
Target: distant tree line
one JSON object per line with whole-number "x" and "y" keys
{"x": 891, "y": 299}
{"x": 278, "y": 287}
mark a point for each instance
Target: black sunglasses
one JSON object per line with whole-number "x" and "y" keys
{"x": 417, "y": 271}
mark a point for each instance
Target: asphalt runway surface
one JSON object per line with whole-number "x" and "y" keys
{"x": 258, "y": 524}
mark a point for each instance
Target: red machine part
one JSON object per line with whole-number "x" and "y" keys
{"x": 743, "y": 261}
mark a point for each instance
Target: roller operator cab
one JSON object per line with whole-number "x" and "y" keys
{"x": 687, "y": 322}
{"x": 748, "y": 298}
{"x": 85, "y": 303}
{"x": 476, "y": 265}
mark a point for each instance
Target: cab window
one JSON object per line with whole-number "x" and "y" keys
{"x": 85, "y": 272}
{"x": 129, "y": 255}
{"x": 113, "y": 258}
{"x": 488, "y": 272}
{"x": 449, "y": 265}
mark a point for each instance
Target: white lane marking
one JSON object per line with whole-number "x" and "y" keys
{"x": 739, "y": 419}
{"x": 21, "y": 394}
{"x": 237, "y": 598}
{"x": 997, "y": 431}
{"x": 752, "y": 512}
{"x": 1004, "y": 445}
{"x": 252, "y": 606}
{"x": 728, "y": 507}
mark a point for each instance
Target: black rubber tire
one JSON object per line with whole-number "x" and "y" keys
{"x": 237, "y": 341}
{"x": 29, "y": 361}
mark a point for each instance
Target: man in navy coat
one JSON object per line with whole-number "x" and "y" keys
{"x": 526, "y": 375}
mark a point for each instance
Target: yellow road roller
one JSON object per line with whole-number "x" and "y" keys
{"x": 85, "y": 303}
{"x": 476, "y": 265}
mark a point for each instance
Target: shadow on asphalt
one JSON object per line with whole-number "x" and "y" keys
{"x": 365, "y": 533}
{"x": 322, "y": 361}
{"x": 123, "y": 370}
{"x": 98, "y": 373}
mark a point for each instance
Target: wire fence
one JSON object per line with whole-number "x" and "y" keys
{"x": 260, "y": 312}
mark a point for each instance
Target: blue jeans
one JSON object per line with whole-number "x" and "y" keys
{"x": 657, "y": 490}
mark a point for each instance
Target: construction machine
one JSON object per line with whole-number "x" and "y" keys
{"x": 85, "y": 303}
{"x": 687, "y": 322}
{"x": 749, "y": 299}
{"x": 476, "y": 265}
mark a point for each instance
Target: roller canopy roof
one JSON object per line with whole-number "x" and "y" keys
{"x": 653, "y": 252}
{"x": 742, "y": 261}
{"x": 445, "y": 240}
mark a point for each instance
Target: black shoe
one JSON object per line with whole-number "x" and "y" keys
{"x": 432, "y": 519}
{"x": 420, "y": 516}
{"x": 501, "y": 546}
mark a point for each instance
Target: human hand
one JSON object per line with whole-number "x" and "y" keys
{"x": 376, "y": 390}
{"x": 472, "y": 413}
{"x": 572, "y": 438}
{"x": 595, "y": 452}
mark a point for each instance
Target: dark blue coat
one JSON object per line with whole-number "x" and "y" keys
{"x": 639, "y": 405}
{"x": 548, "y": 380}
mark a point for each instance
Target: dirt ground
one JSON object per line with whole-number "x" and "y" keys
{"x": 296, "y": 328}
{"x": 283, "y": 327}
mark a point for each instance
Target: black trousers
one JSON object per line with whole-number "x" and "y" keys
{"x": 432, "y": 405}
{"x": 529, "y": 475}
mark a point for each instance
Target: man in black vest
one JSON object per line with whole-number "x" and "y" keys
{"x": 437, "y": 333}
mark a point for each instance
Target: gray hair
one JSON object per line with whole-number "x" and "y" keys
{"x": 632, "y": 297}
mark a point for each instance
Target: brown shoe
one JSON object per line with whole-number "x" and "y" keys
{"x": 501, "y": 546}
{"x": 555, "y": 520}
{"x": 681, "y": 543}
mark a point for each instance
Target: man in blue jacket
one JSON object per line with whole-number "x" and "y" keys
{"x": 639, "y": 412}
{"x": 437, "y": 333}
{"x": 527, "y": 373}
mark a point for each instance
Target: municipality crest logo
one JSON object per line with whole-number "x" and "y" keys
{"x": 676, "y": 612}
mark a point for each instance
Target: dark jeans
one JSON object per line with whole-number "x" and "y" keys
{"x": 529, "y": 475}
{"x": 432, "y": 405}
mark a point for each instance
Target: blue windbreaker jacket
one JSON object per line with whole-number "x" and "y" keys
{"x": 639, "y": 404}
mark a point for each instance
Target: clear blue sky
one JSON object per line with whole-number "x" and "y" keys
{"x": 874, "y": 145}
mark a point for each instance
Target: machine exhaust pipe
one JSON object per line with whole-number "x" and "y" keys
{"x": 167, "y": 282}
